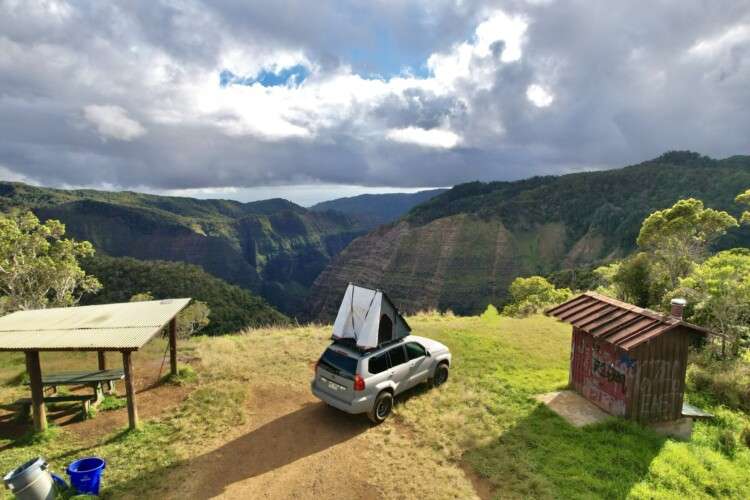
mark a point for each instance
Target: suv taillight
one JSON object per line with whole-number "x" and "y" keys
{"x": 317, "y": 364}
{"x": 359, "y": 383}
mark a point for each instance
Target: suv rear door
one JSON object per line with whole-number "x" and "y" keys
{"x": 335, "y": 374}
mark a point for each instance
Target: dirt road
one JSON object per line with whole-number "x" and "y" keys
{"x": 294, "y": 446}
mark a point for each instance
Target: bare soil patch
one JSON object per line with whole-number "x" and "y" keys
{"x": 292, "y": 447}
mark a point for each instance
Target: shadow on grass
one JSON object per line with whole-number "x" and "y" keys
{"x": 544, "y": 456}
{"x": 310, "y": 429}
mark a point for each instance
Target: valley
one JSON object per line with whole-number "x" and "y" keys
{"x": 447, "y": 250}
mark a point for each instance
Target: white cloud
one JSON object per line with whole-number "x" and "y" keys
{"x": 328, "y": 99}
{"x": 113, "y": 122}
{"x": 474, "y": 60}
{"x": 539, "y": 96}
{"x": 9, "y": 175}
{"x": 708, "y": 47}
{"x": 432, "y": 138}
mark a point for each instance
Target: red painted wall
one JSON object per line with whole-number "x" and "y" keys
{"x": 600, "y": 372}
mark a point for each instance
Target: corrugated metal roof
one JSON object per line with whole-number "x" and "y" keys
{"x": 126, "y": 326}
{"x": 616, "y": 322}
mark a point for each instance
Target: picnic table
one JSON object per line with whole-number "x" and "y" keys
{"x": 94, "y": 379}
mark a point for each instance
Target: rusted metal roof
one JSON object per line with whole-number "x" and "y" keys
{"x": 617, "y": 322}
{"x": 107, "y": 327}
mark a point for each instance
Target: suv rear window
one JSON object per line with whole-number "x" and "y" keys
{"x": 338, "y": 363}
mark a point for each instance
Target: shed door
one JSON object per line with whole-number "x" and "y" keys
{"x": 385, "y": 329}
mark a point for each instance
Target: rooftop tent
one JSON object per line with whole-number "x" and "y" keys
{"x": 369, "y": 317}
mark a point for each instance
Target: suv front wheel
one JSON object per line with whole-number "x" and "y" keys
{"x": 382, "y": 407}
{"x": 441, "y": 375}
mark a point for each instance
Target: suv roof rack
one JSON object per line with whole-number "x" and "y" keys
{"x": 352, "y": 344}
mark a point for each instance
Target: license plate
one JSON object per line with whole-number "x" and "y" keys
{"x": 332, "y": 385}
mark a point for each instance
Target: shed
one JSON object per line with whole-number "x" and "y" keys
{"x": 109, "y": 327}
{"x": 629, "y": 361}
{"x": 369, "y": 318}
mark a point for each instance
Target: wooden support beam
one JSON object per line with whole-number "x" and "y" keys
{"x": 33, "y": 367}
{"x": 102, "y": 360}
{"x": 127, "y": 365}
{"x": 173, "y": 346}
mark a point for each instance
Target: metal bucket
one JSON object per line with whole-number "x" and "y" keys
{"x": 31, "y": 481}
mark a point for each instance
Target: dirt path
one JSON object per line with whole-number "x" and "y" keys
{"x": 293, "y": 447}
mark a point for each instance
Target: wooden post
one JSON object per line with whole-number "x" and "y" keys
{"x": 127, "y": 365}
{"x": 102, "y": 360}
{"x": 173, "y": 346}
{"x": 37, "y": 392}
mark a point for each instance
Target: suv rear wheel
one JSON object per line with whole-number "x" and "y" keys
{"x": 382, "y": 407}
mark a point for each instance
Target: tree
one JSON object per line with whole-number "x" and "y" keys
{"x": 193, "y": 318}
{"x": 718, "y": 292}
{"x": 631, "y": 280}
{"x": 679, "y": 236}
{"x": 142, "y": 297}
{"x": 190, "y": 320}
{"x": 744, "y": 199}
{"x": 38, "y": 266}
{"x": 532, "y": 295}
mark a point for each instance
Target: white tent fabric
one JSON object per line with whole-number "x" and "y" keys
{"x": 359, "y": 316}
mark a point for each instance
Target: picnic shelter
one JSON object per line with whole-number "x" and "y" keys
{"x": 103, "y": 328}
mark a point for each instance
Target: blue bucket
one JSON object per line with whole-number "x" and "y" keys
{"x": 86, "y": 474}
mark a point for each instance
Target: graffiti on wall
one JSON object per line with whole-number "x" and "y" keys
{"x": 600, "y": 372}
{"x": 608, "y": 371}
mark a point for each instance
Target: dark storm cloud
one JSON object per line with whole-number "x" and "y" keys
{"x": 127, "y": 94}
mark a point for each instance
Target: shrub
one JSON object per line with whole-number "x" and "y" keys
{"x": 725, "y": 382}
{"x": 746, "y": 436}
{"x": 727, "y": 442}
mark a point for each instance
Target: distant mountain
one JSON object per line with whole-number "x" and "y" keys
{"x": 232, "y": 308}
{"x": 375, "y": 209}
{"x": 460, "y": 250}
{"x": 272, "y": 247}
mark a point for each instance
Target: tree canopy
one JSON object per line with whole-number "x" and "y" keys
{"x": 38, "y": 266}
{"x": 679, "y": 236}
{"x": 232, "y": 308}
{"x": 718, "y": 294}
{"x": 532, "y": 295}
{"x": 744, "y": 199}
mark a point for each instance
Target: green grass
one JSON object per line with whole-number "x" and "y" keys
{"x": 112, "y": 402}
{"x": 484, "y": 418}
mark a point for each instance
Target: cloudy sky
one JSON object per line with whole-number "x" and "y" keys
{"x": 313, "y": 100}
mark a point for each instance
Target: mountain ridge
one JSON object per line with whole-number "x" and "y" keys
{"x": 461, "y": 249}
{"x": 377, "y": 209}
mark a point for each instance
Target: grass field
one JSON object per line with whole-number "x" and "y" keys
{"x": 483, "y": 424}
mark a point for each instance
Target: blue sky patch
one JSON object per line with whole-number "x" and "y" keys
{"x": 292, "y": 76}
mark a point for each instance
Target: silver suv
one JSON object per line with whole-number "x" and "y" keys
{"x": 358, "y": 381}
